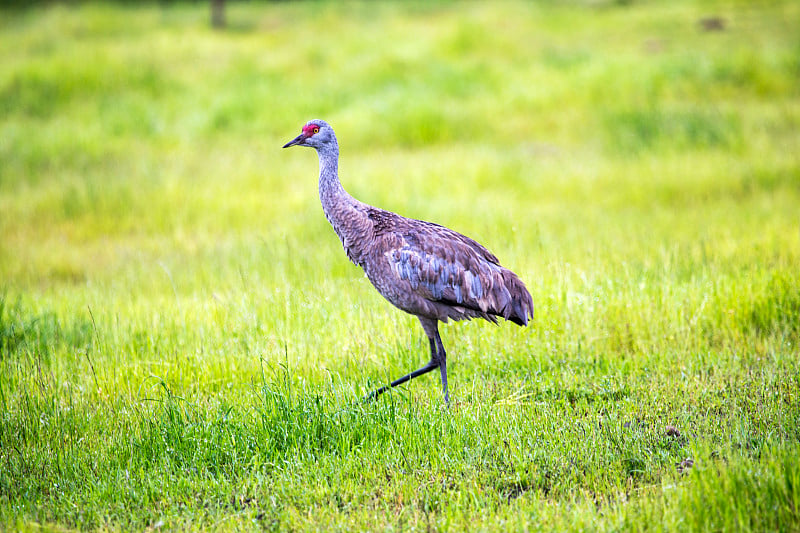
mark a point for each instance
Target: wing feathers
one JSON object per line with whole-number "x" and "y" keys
{"x": 453, "y": 273}
{"x": 448, "y": 270}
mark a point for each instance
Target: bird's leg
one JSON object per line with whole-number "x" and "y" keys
{"x": 432, "y": 364}
{"x": 431, "y": 327}
{"x": 438, "y": 355}
{"x": 442, "y": 361}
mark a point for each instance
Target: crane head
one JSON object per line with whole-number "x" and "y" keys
{"x": 315, "y": 134}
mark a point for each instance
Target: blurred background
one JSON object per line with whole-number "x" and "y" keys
{"x": 614, "y": 154}
{"x": 182, "y": 336}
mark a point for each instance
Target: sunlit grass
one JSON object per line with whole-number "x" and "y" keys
{"x": 183, "y": 342}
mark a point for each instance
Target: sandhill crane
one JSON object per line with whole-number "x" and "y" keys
{"x": 424, "y": 269}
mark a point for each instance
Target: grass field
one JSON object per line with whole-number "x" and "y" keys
{"x": 183, "y": 342}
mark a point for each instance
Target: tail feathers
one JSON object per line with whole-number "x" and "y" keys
{"x": 520, "y": 307}
{"x": 500, "y": 294}
{"x": 508, "y": 298}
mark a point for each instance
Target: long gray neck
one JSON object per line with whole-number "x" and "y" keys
{"x": 331, "y": 191}
{"x": 345, "y": 213}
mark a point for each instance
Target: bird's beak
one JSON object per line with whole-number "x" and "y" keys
{"x": 297, "y": 140}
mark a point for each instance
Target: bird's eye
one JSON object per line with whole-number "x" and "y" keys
{"x": 316, "y": 130}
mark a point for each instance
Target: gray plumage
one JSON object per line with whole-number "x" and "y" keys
{"x": 424, "y": 269}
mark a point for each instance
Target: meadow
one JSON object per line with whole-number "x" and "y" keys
{"x": 184, "y": 345}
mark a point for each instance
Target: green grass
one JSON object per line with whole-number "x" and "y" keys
{"x": 183, "y": 343}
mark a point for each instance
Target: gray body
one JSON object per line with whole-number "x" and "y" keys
{"x": 424, "y": 269}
